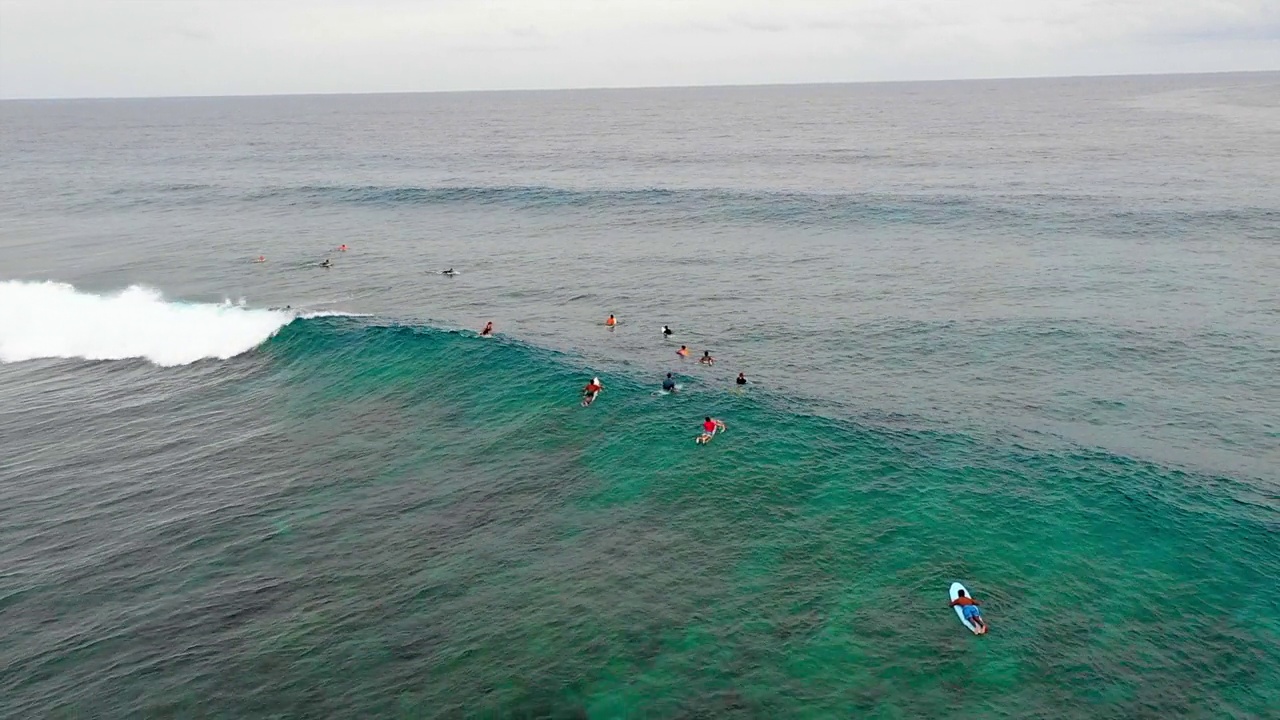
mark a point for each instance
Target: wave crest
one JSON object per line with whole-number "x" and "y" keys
{"x": 54, "y": 320}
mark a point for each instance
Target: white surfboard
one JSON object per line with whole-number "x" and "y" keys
{"x": 955, "y": 593}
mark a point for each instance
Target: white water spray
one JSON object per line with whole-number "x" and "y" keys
{"x": 54, "y": 320}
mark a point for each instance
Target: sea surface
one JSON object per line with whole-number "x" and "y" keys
{"x": 1020, "y": 334}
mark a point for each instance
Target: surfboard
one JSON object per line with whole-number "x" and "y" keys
{"x": 955, "y": 593}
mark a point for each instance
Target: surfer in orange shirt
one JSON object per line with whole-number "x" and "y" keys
{"x": 969, "y": 607}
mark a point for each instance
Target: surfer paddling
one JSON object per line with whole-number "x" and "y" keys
{"x": 969, "y": 607}
{"x": 710, "y": 426}
{"x": 590, "y": 392}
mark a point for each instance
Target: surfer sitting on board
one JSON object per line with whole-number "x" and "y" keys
{"x": 488, "y": 329}
{"x": 706, "y": 358}
{"x": 666, "y": 331}
{"x": 710, "y": 427}
{"x": 742, "y": 379}
{"x": 612, "y": 321}
{"x": 969, "y": 607}
{"x": 669, "y": 385}
{"x": 327, "y": 263}
{"x": 590, "y": 392}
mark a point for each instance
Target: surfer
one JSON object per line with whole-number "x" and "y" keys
{"x": 261, "y": 258}
{"x": 683, "y": 351}
{"x": 342, "y": 247}
{"x": 710, "y": 426}
{"x": 669, "y": 385}
{"x": 742, "y": 379}
{"x": 327, "y": 263}
{"x": 590, "y": 392}
{"x": 706, "y": 358}
{"x": 969, "y": 607}
{"x": 611, "y": 322}
{"x": 666, "y": 331}
{"x": 488, "y": 329}
{"x": 448, "y": 273}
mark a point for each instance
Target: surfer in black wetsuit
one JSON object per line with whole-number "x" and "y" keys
{"x": 666, "y": 331}
{"x": 448, "y": 272}
{"x": 327, "y": 263}
{"x": 742, "y": 379}
{"x": 669, "y": 384}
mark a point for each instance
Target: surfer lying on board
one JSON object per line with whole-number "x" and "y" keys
{"x": 710, "y": 427}
{"x": 969, "y": 607}
{"x": 590, "y": 392}
{"x": 488, "y": 329}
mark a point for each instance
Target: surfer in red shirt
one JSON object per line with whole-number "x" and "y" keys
{"x": 710, "y": 427}
{"x": 970, "y": 609}
{"x": 590, "y": 392}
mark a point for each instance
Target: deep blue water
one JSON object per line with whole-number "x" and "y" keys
{"x": 1022, "y": 334}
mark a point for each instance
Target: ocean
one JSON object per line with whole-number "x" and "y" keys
{"x": 1020, "y": 334}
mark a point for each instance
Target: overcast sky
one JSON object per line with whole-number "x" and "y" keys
{"x": 92, "y": 48}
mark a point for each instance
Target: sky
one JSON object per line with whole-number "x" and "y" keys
{"x": 144, "y": 48}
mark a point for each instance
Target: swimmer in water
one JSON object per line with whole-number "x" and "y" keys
{"x": 706, "y": 358}
{"x": 488, "y": 329}
{"x": 683, "y": 351}
{"x": 342, "y": 248}
{"x": 590, "y": 392}
{"x": 710, "y": 427}
{"x": 666, "y": 331}
{"x": 261, "y": 258}
{"x": 669, "y": 385}
{"x": 327, "y": 263}
{"x": 611, "y": 322}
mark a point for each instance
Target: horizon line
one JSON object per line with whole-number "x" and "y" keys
{"x": 606, "y": 88}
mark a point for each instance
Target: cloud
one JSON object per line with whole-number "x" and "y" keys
{"x": 59, "y": 48}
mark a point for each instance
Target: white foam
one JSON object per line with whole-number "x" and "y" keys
{"x": 54, "y": 320}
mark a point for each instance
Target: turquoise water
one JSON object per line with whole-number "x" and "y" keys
{"x": 1034, "y": 369}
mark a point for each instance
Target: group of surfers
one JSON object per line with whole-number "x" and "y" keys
{"x": 710, "y": 425}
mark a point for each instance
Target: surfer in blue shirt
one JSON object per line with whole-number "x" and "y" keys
{"x": 969, "y": 607}
{"x": 669, "y": 384}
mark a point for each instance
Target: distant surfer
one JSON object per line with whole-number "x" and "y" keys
{"x": 261, "y": 258}
{"x": 742, "y": 379}
{"x": 669, "y": 385}
{"x": 488, "y": 329}
{"x": 706, "y": 358}
{"x": 327, "y": 263}
{"x": 611, "y": 322}
{"x": 666, "y": 331}
{"x": 969, "y": 607}
{"x": 710, "y": 427}
{"x": 590, "y": 392}
{"x": 448, "y": 273}
{"x": 683, "y": 351}
{"x": 342, "y": 248}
